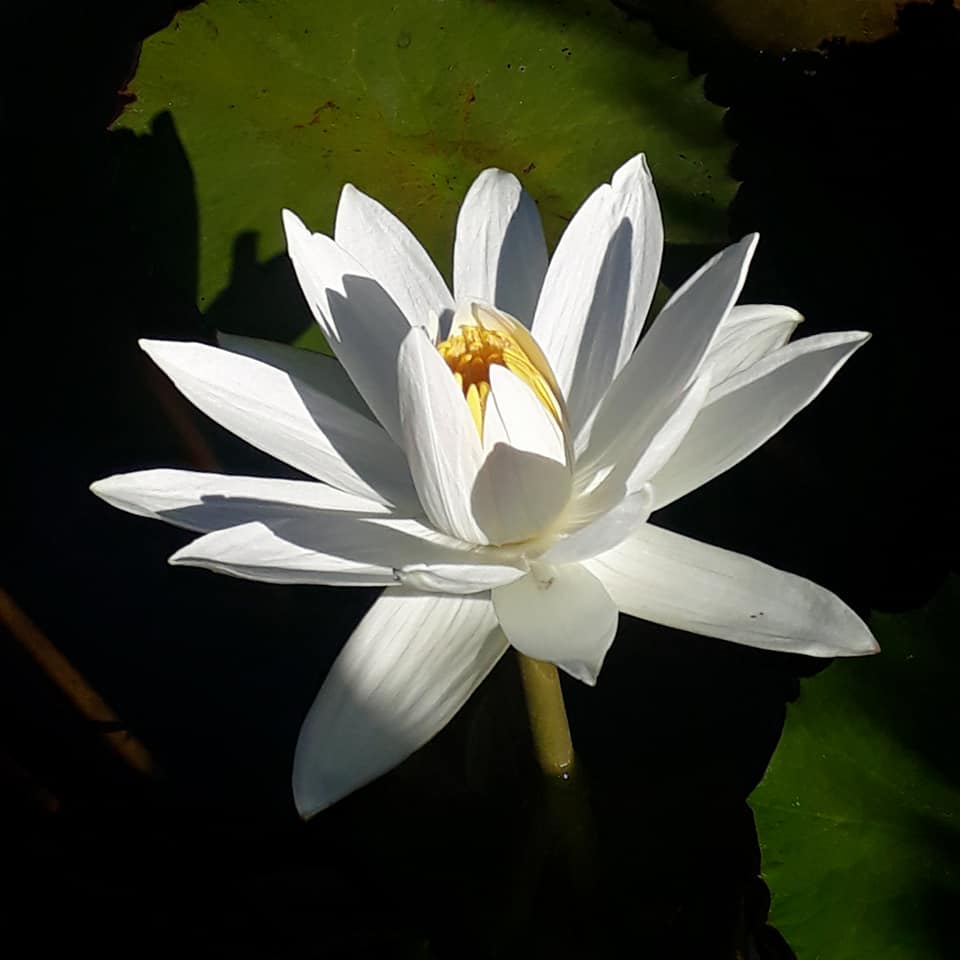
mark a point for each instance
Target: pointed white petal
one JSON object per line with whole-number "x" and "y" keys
{"x": 671, "y": 353}
{"x": 500, "y": 255}
{"x": 410, "y": 665}
{"x": 747, "y": 409}
{"x": 660, "y": 576}
{"x": 524, "y": 482}
{"x": 562, "y": 615}
{"x": 393, "y": 256}
{"x": 603, "y": 533}
{"x": 599, "y": 286}
{"x": 647, "y": 440}
{"x": 287, "y": 419}
{"x": 441, "y": 440}
{"x": 211, "y": 501}
{"x": 360, "y": 320}
{"x": 297, "y": 542}
{"x": 515, "y": 416}
{"x": 323, "y": 373}
{"x": 749, "y": 333}
{"x": 272, "y": 552}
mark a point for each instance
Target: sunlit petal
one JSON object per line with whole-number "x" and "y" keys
{"x": 599, "y": 287}
{"x": 360, "y": 320}
{"x": 393, "y": 256}
{"x": 750, "y": 407}
{"x": 559, "y": 614}
{"x": 500, "y": 255}
{"x": 660, "y": 576}
{"x": 288, "y": 419}
{"x": 441, "y": 440}
{"x": 409, "y": 666}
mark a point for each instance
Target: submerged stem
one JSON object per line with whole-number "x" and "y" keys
{"x": 548, "y": 716}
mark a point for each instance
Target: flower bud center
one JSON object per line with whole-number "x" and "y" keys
{"x": 473, "y": 349}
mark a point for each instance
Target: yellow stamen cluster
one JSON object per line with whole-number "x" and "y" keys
{"x": 469, "y": 354}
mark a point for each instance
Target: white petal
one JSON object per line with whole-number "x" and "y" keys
{"x": 287, "y": 419}
{"x": 562, "y": 615}
{"x": 318, "y": 370}
{"x": 749, "y": 333}
{"x": 660, "y": 576}
{"x": 515, "y": 416}
{"x": 671, "y": 353}
{"x": 211, "y": 501}
{"x": 393, "y": 257}
{"x": 605, "y": 532}
{"x": 286, "y": 542}
{"x": 360, "y": 320}
{"x": 524, "y": 482}
{"x": 500, "y": 255}
{"x": 271, "y": 553}
{"x": 749, "y": 408}
{"x": 440, "y": 438}
{"x": 599, "y": 287}
{"x": 648, "y": 439}
{"x": 410, "y": 665}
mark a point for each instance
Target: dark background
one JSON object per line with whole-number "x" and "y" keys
{"x": 847, "y": 169}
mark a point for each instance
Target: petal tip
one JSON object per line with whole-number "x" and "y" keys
{"x": 637, "y": 164}
{"x": 293, "y": 227}
{"x": 584, "y": 672}
{"x": 101, "y": 488}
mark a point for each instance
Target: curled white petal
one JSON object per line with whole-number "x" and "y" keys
{"x": 560, "y": 614}
{"x": 749, "y": 333}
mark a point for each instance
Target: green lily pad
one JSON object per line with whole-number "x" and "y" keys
{"x": 279, "y": 102}
{"x": 859, "y": 812}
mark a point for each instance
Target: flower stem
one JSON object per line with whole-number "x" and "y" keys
{"x": 548, "y": 717}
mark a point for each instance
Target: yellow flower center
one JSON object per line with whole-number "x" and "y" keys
{"x": 469, "y": 354}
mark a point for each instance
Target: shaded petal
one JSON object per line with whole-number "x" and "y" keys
{"x": 500, "y": 255}
{"x": 360, "y": 320}
{"x": 261, "y": 551}
{"x": 323, "y": 373}
{"x": 440, "y": 438}
{"x": 301, "y": 532}
{"x": 393, "y": 257}
{"x": 750, "y": 407}
{"x": 660, "y": 576}
{"x": 599, "y": 287}
{"x": 559, "y": 614}
{"x": 409, "y": 666}
{"x": 287, "y": 419}
{"x": 524, "y": 482}
{"x": 603, "y": 533}
{"x": 211, "y": 501}
{"x": 671, "y": 353}
{"x": 345, "y": 549}
{"x": 749, "y": 333}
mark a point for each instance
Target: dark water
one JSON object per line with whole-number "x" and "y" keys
{"x": 847, "y": 170}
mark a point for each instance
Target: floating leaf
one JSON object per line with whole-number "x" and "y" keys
{"x": 859, "y": 812}
{"x": 279, "y": 103}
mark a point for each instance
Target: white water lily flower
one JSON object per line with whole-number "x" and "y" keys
{"x": 491, "y": 456}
